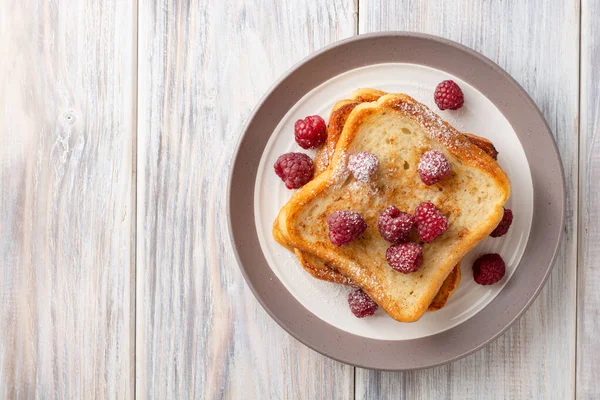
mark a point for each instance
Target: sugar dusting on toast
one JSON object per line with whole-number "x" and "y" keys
{"x": 320, "y": 269}
{"x": 306, "y": 232}
{"x": 439, "y": 129}
{"x": 432, "y": 123}
{"x": 363, "y": 165}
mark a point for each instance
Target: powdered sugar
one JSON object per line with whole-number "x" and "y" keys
{"x": 433, "y": 167}
{"x": 363, "y": 165}
{"x": 340, "y": 172}
{"x": 434, "y": 126}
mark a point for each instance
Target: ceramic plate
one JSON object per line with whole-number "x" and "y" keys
{"x": 496, "y": 107}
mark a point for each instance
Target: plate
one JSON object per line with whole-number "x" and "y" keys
{"x": 496, "y": 107}
{"x": 327, "y": 300}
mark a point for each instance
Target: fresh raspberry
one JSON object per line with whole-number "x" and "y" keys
{"x": 488, "y": 269}
{"x": 503, "y": 226}
{"x": 345, "y": 226}
{"x": 294, "y": 169}
{"x": 448, "y": 95}
{"x": 433, "y": 167}
{"x": 310, "y": 132}
{"x": 405, "y": 257}
{"x": 395, "y": 225}
{"x": 430, "y": 222}
{"x": 361, "y": 304}
{"x": 363, "y": 165}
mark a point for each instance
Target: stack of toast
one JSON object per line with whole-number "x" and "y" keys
{"x": 398, "y": 130}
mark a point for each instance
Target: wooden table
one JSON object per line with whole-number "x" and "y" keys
{"x": 118, "y": 121}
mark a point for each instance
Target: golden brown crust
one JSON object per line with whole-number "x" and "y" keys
{"x": 366, "y": 95}
{"x": 448, "y": 288}
{"x": 454, "y": 142}
{"x": 484, "y": 144}
{"x": 329, "y": 273}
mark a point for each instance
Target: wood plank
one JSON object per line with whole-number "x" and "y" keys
{"x": 66, "y": 201}
{"x": 202, "y": 67}
{"x": 588, "y": 295}
{"x": 535, "y": 358}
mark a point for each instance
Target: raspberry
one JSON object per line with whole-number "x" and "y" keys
{"x": 448, "y": 95}
{"x": 433, "y": 167}
{"x": 361, "y": 304}
{"x": 310, "y": 132}
{"x": 503, "y": 226}
{"x": 345, "y": 226}
{"x": 405, "y": 257}
{"x": 363, "y": 165}
{"x": 488, "y": 269}
{"x": 395, "y": 225}
{"x": 294, "y": 169}
{"x": 430, "y": 222}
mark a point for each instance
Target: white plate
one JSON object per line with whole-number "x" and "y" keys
{"x": 328, "y": 301}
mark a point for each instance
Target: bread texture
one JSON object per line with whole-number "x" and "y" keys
{"x": 398, "y": 130}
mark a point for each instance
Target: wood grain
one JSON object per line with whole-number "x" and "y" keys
{"x": 536, "y": 358}
{"x": 66, "y": 112}
{"x": 67, "y": 203}
{"x": 202, "y": 67}
{"x": 588, "y": 311}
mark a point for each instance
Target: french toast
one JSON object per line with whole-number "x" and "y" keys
{"x": 319, "y": 268}
{"x": 325, "y": 271}
{"x": 313, "y": 265}
{"x": 397, "y": 129}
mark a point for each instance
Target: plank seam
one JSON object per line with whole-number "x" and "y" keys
{"x": 356, "y": 15}
{"x": 578, "y": 241}
{"x": 134, "y": 161}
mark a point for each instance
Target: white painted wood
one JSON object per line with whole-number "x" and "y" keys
{"x": 66, "y": 204}
{"x": 202, "y": 67}
{"x": 588, "y": 314}
{"x": 66, "y": 127}
{"x": 537, "y": 43}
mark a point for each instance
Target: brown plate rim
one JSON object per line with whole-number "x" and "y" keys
{"x": 548, "y": 185}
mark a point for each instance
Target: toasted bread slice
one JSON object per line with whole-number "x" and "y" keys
{"x": 317, "y": 267}
{"x": 484, "y": 144}
{"x": 326, "y": 271}
{"x": 398, "y": 130}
